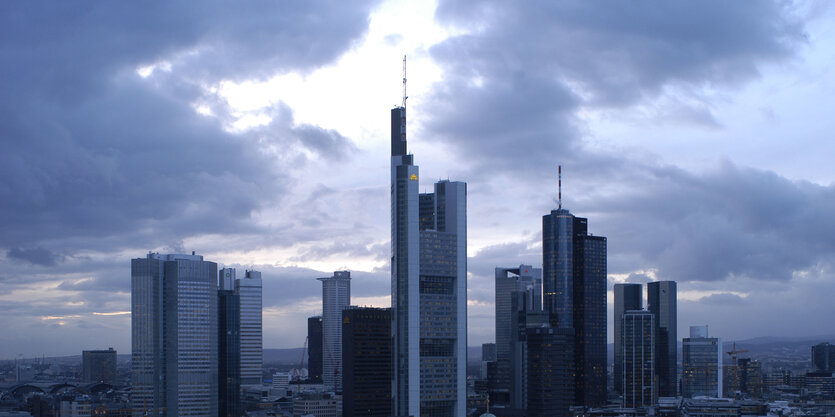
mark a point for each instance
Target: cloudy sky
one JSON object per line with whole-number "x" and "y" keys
{"x": 696, "y": 136}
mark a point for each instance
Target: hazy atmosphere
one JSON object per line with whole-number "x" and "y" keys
{"x": 695, "y": 136}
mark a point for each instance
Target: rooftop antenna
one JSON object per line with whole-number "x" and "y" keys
{"x": 559, "y": 186}
{"x": 404, "y": 82}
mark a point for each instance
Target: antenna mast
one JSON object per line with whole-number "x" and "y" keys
{"x": 559, "y": 186}
{"x": 404, "y": 82}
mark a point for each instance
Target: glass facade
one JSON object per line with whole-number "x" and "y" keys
{"x": 336, "y": 295}
{"x": 366, "y": 346}
{"x": 229, "y": 353}
{"x": 549, "y": 365}
{"x": 661, "y": 302}
{"x": 640, "y": 383}
{"x": 574, "y": 284}
{"x": 627, "y": 297}
{"x": 701, "y": 373}
{"x": 99, "y": 366}
{"x": 429, "y": 288}
{"x": 524, "y": 279}
{"x": 174, "y": 336}
{"x": 314, "y": 348}
{"x": 252, "y": 334}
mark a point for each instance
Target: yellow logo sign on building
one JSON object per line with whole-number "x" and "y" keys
{"x": 413, "y": 177}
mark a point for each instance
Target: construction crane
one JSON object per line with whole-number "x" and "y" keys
{"x": 734, "y": 352}
{"x": 297, "y": 377}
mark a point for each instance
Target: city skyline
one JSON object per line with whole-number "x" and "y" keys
{"x": 704, "y": 162}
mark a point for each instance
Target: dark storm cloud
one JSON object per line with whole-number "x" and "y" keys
{"x": 96, "y": 160}
{"x": 35, "y": 256}
{"x": 514, "y": 82}
{"x": 731, "y": 222}
{"x": 91, "y": 150}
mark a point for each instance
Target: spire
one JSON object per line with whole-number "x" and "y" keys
{"x": 559, "y": 185}
{"x": 404, "y": 82}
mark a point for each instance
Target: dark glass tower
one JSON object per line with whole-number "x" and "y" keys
{"x": 823, "y": 357}
{"x": 99, "y": 366}
{"x": 661, "y": 302}
{"x": 314, "y": 348}
{"x": 574, "y": 269}
{"x": 229, "y": 353}
{"x": 627, "y": 297}
{"x": 366, "y": 349}
{"x": 549, "y": 366}
{"x": 639, "y": 375}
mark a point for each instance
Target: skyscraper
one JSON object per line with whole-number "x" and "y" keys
{"x": 701, "y": 373}
{"x": 549, "y": 366}
{"x": 640, "y": 382}
{"x": 524, "y": 317}
{"x": 574, "y": 283}
{"x": 99, "y": 366}
{"x": 366, "y": 348}
{"x": 661, "y": 302}
{"x": 249, "y": 288}
{"x": 429, "y": 287}
{"x": 336, "y": 295}
{"x": 229, "y": 345}
{"x": 823, "y": 357}
{"x": 314, "y": 348}
{"x": 524, "y": 278}
{"x": 627, "y": 297}
{"x": 174, "y": 336}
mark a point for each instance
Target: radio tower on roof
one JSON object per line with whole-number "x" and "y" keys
{"x": 404, "y": 82}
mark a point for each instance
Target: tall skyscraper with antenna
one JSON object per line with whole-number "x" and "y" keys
{"x": 574, "y": 286}
{"x": 428, "y": 286}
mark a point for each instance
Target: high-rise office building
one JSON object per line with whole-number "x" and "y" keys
{"x": 523, "y": 278}
{"x": 429, "y": 287}
{"x": 99, "y": 366}
{"x": 249, "y": 288}
{"x": 174, "y": 336}
{"x": 366, "y": 349}
{"x": 640, "y": 382}
{"x": 523, "y": 317}
{"x": 701, "y": 373}
{"x": 229, "y": 345}
{"x": 549, "y": 366}
{"x": 314, "y": 348}
{"x": 661, "y": 302}
{"x": 627, "y": 297}
{"x": 336, "y": 295}
{"x": 823, "y": 357}
{"x": 574, "y": 283}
